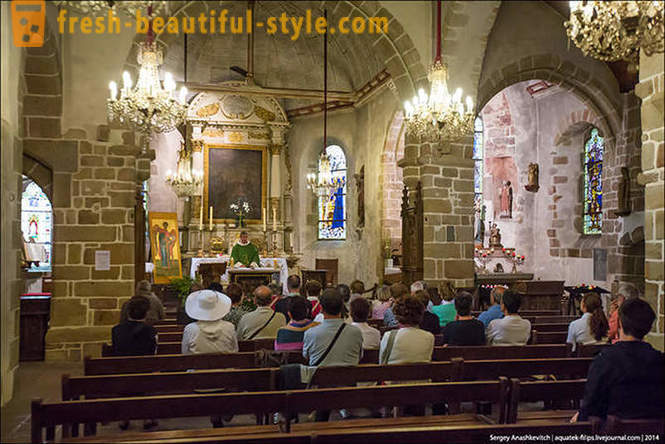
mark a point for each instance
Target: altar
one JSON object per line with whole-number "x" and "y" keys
{"x": 276, "y": 266}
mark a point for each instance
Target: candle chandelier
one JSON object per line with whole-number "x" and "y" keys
{"x": 439, "y": 117}
{"x": 185, "y": 182}
{"x": 616, "y": 30}
{"x": 149, "y": 106}
{"x": 324, "y": 183}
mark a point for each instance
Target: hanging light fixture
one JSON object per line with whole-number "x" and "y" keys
{"x": 440, "y": 116}
{"x": 185, "y": 182}
{"x": 323, "y": 183}
{"x": 616, "y": 30}
{"x": 149, "y": 106}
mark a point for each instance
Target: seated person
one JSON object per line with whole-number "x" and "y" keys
{"x": 430, "y": 321}
{"x": 235, "y": 293}
{"x": 397, "y": 292}
{"x": 511, "y": 329}
{"x": 134, "y": 337}
{"x": 626, "y": 291}
{"x": 262, "y": 322}
{"x": 209, "y": 333}
{"x": 626, "y": 379}
{"x": 345, "y": 291}
{"x": 357, "y": 289}
{"x": 313, "y": 291}
{"x": 409, "y": 343}
{"x": 494, "y": 311}
{"x": 381, "y": 303}
{"x": 592, "y": 327}
{"x": 244, "y": 253}
{"x": 293, "y": 289}
{"x": 359, "y": 313}
{"x": 291, "y": 337}
{"x": 156, "y": 311}
{"x": 464, "y": 330}
{"x": 446, "y": 310}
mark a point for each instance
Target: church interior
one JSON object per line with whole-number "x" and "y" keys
{"x": 468, "y": 152}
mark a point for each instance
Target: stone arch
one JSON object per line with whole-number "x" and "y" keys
{"x": 395, "y": 50}
{"x": 391, "y": 181}
{"x": 40, "y": 173}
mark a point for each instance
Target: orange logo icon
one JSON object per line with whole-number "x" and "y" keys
{"x": 28, "y": 18}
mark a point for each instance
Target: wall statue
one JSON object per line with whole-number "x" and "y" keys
{"x": 360, "y": 190}
{"x": 624, "y": 207}
{"x": 533, "y": 178}
{"x": 506, "y": 199}
{"x": 480, "y": 227}
{"x": 495, "y": 236}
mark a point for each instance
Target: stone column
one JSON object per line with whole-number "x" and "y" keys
{"x": 650, "y": 90}
{"x": 446, "y": 174}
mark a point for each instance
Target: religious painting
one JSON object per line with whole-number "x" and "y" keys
{"x": 332, "y": 206}
{"x": 165, "y": 246}
{"x": 235, "y": 174}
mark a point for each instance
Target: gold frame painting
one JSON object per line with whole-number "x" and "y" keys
{"x": 165, "y": 224}
{"x": 227, "y": 170}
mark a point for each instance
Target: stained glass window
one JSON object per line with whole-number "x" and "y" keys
{"x": 37, "y": 224}
{"x": 332, "y": 208}
{"x": 593, "y": 183}
{"x": 478, "y": 157}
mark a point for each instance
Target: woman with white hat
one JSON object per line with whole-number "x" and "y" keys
{"x": 209, "y": 334}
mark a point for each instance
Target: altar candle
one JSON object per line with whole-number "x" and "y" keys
{"x": 274, "y": 219}
{"x": 201, "y": 218}
{"x": 210, "y": 218}
{"x": 265, "y": 227}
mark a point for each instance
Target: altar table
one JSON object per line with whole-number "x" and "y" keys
{"x": 274, "y": 264}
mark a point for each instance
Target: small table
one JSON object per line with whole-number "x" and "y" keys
{"x": 250, "y": 278}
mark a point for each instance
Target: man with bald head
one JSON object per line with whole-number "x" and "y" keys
{"x": 262, "y": 322}
{"x": 494, "y": 311}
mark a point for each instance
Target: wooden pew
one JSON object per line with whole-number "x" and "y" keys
{"x": 169, "y": 328}
{"x": 521, "y": 368}
{"x": 167, "y": 363}
{"x": 257, "y": 344}
{"x": 503, "y": 352}
{"x": 175, "y": 336}
{"x": 550, "y": 327}
{"x": 560, "y": 319}
{"x": 558, "y": 391}
{"x": 557, "y": 337}
{"x": 48, "y": 415}
{"x": 529, "y": 313}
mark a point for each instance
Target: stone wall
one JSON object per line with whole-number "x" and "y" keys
{"x": 99, "y": 216}
{"x": 392, "y": 182}
{"x": 13, "y": 88}
{"x": 650, "y": 89}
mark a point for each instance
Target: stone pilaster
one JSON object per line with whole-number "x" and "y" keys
{"x": 650, "y": 89}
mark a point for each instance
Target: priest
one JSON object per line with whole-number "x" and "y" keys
{"x": 245, "y": 253}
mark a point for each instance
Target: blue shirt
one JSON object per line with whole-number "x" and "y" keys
{"x": 492, "y": 313}
{"x": 389, "y": 318}
{"x": 347, "y": 350}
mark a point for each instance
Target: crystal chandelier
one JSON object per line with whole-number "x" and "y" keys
{"x": 185, "y": 182}
{"x": 102, "y": 7}
{"x": 440, "y": 116}
{"x": 148, "y": 107}
{"x": 616, "y": 30}
{"x": 324, "y": 184}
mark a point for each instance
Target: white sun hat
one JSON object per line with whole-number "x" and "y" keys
{"x": 207, "y": 305}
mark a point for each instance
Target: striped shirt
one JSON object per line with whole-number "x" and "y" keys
{"x": 291, "y": 336}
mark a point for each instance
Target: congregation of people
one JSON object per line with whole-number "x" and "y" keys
{"x": 330, "y": 326}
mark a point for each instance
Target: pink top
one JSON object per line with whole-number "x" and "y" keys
{"x": 379, "y": 310}
{"x": 613, "y": 333}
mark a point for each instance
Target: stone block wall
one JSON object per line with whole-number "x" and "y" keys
{"x": 392, "y": 182}
{"x": 651, "y": 89}
{"x": 98, "y": 216}
{"x": 446, "y": 174}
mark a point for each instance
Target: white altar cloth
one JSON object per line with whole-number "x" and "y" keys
{"x": 276, "y": 264}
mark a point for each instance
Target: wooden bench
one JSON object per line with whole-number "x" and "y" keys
{"x": 529, "y": 313}
{"x": 556, "y": 337}
{"x": 169, "y": 328}
{"x": 521, "y": 368}
{"x": 502, "y": 352}
{"x": 559, "y": 319}
{"x": 167, "y": 363}
{"x": 49, "y": 415}
{"x": 550, "y": 327}
{"x": 551, "y": 391}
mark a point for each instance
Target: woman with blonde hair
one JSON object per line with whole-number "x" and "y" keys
{"x": 381, "y": 303}
{"x": 592, "y": 327}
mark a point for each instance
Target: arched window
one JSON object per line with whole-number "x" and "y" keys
{"x": 478, "y": 158}
{"x": 332, "y": 207}
{"x": 593, "y": 183}
{"x": 37, "y": 224}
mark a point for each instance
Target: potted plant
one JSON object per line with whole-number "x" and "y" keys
{"x": 182, "y": 287}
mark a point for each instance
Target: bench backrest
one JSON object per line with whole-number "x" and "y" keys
{"x": 557, "y": 337}
{"x": 534, "y": 391}
{"x": 351, "y": 375}
{"x": 520, "y": 368}
{"x": 550, "y": 327}
{"x": 501, "y": 352}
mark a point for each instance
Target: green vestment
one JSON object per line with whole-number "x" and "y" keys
{"x": 245, "y": 254}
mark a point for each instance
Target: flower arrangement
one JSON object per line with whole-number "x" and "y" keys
{"x": 240, "y": 208}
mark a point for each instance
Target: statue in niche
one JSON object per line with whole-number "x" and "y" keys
{"x": 480, "y": 228}
{"x": 624, "y": 193}
{"x": 506, "y": 200}
{"x": 495, "y": 236}
{"x": 533, "y": 178}
{"x": 360, "y": 190}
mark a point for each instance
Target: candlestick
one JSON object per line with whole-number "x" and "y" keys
{"x": 201, "y": 218}
{"x": 274, "y": 218}
{"x": 265, "y": 222}
{"x": 210, "y": 218}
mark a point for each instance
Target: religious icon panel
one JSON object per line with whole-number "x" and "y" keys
{"x": 165, "y": 245}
